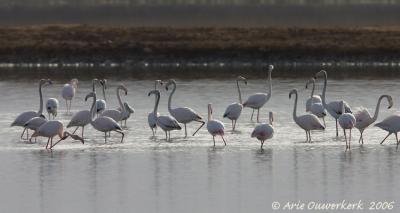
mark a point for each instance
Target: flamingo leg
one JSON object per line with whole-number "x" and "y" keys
{"x": 202, "y": 124}
{"x": 169, "y": 135}
{"x": 48, "y": 140}
{"x": 166, "y": 136}
{"x": 66, "y": 104}
{"x": 258, "y": 115}
{"x": 23, "y": 132}
{"x": 262, "y": 144}
{"x": 152, "y": 130}
{"x": 337, "y": 131}
{"x": 105, "y": 137}
{"x": 82, "y": 131}
{"x": 223, "y": 139}
{"x": 123, "y": 135}
{"x": 27, "y": 134}
{"x": 185, "y": 131}
{"x": 397, "y": 139}
{"x": 51, "y": 143}
{"x": 323, "y": 119}
{"x": 306, "y": 136}
{"x": 385, "y": 137}
{"x": 359, "y": 140}
{"x": 345, "y": 137}
{"x": 214, "y": 140}
{"x": 75, "y": 130}
{"x": 233, "y": 127}
{"x": 251, "y": 119}
{"x": 309, "y": 135}
{"x": 349, "y": 138}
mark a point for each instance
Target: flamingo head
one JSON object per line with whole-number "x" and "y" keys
{"x": 311, "y": 81}
{"x": 92, "y": 94}
{"x": 209, "y": 109}
{"x": 294, "y": 91}
{"x": 122, "y": 87}
{"x": 103, "y": 83}
{"x": 45, "y": 81}
{"x": 155, "y": 92}
{"x": 170, "y": 81}
{"x": 271, "y": 118}
{"x": 74, "y": 82}
{"x": 320, "y": 73}
{"x": 75, "y": 137}
{"x": 159, "y": 82}
{"x": 241, "y": 78}
{"x": 270, "y": 67}
{"x": 390, "y": 100}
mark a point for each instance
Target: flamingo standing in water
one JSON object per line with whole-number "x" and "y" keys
{"x": 307, "y": 122}
{"x": 258, "y": 100}
{"x": 182, "y": 114}
{"x": 165, "y": 122}
{"x": 35, "y": 123}
{"x": 264, "y": 131}
{"x": 215, "y": 127}
{"x": 151, "y": 117}
{"x": 234, "y": 110}
{"x": 103, "y": 123}
{"x": 314, "y": 103}
{"x": 68, "y": 93}
{"x": 390, "y": 124}
{"x": 26, "y": 116}
{"x": 346, "y": 121}
{"x": 333, "y": 107}
{"x": 116, "y": 114}
{"x": 364, "y": 118}
{"x": 51, "y": 129}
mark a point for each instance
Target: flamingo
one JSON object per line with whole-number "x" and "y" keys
{"x": 151, "y": 117}
{"x": 35, "y": 123}
{"x": 182, "y": 114}
{"x": 116, "y": 114}
{"x": 332, "y": 107}
{"x": 53, "y": 128}
{"x": 26, "y": 116}
{"x": 215, "y": 127}
{"x": 165, "y": 122}
{"x": 364, "y": 119}
{"x": 258, "y": 100}
{"x": 346, "y": 121}
{"x": 68, "y": 93}
{"x": 264, "y": 131}
{"x": 101, "y": 104}
{"x": 51, "y": 107}
{"x": 390, "y": 124}
{"x": 307, "y": 122}
{"x": 83, "y": 117}
{"x": 103, "y": 124}
{"x": 314, "y": 103}
{"x": 234, "y": 110}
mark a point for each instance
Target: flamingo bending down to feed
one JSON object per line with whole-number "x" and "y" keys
{"x": 103, "y": 123}
{"x": 314, "y": 103}
{"x": 234, "y": 110}
{"x": 68, "y": 93}
{"x": 182, "y": 114}
{"x": 258, "y": 100}
{"x": 346, "y": 121}
{"x": 26, "y": 116}
{"x": 52, "y": 107}
{"x": 390, "y": 124}
{"x": 151, "y": 117}
{"x": 264, "y": 131}
{"x": 101, "y": 104}
{"x": 333, "y": 107}
{"x": 364, "y": 118}
{"x": 51, "y": 129}
{"x": 165, "y": 122}
{"x": 116, "y": 114}
{"x": 307, "y": 122}
{"x": 215, "y": 127}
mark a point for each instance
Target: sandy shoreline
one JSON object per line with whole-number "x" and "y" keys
{"x": 81, "y": 43}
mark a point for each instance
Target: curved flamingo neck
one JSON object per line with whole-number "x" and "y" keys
{"x": 92, "y": 111}
{"x": 170, "y": 97}
{"x": 104, "y": 91}
{"x": 324, "y": 90}
{"x": 240, "y": 93}
{"x": 119, "y": 99}
{"x": 209, "y": 113}
{"x": 157, "y": 96}
{"x": 378, "y": 106}
{"x": 313, "y": 88}
{"x": 295, "y": 107}
{"x": 41, "y": 99}
{"x": 93, "y": 86}
{"x": 270, "y": 83}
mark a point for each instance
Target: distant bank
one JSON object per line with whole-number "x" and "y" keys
{"x": 82, "y": 43}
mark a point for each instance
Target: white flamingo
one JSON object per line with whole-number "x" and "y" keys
{"x": 165, "y": 122}
{"x": 307, "y": 122}
{"x": 52, "y": 107}
{"x": 390, "y": 124}
{"x": 126, "y": 114}
{"x": 364, "y": 118}
{"x": 116, "y": 114}
{"x": 264, "y": 131}
{"x": 182, "y": 114}
{"x": 51, "y": 129}
{"x": 234, "y": 110}
{"x": 346, "y": 121}
{"x": 215, "y": 127}
{"x": 151, "y": 117}
{"x": 68, "y": 93}
{"x": 103, "y": 124}
{"x": 26, "y": 116}
{"x": 314, "y": 103}
{"x": 83, "y": 117}
{"x": 35, "y": 123}
{"x": 101, "y": 104}
{"x": 258, "y": 100}
{"x": 333, "y": 107}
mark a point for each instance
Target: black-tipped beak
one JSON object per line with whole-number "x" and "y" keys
{"x": 166, "y": 88}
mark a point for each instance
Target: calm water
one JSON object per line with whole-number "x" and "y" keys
{"x": 150, "y": 175}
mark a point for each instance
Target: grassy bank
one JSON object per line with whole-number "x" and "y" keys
{"x": 99, "y": 44}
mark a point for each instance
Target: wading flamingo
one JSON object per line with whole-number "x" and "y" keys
{"x": 264, "y": 131}
{"x": 101, "y": 104}
{"x": 314, "y": 103}
{"x": 215, "y": 127}
{"x": 26, "y": 116}
{"x": 103, "y": 123}
{"x": 151, "y": 117}
{"x": 51, "y": 129}
{"x": 116, "y": 114}
{"x": 234, "y": 110}
{"x": 128, "y": 110}
{"x": 165, "y": 122}
{"x": 346, "y": 121}
{"x": 258, "y": 100}
{"x": 390, "y": 124}
{"x": 35, "y": 123}
{"x": 364, "y": 119}
{"x": 182, "y": 114}
{"x": 52, "y": 107}
{"x": 307, "y": 122}
{"x": 332, "y": 107}
{"x": 68, "y": 93}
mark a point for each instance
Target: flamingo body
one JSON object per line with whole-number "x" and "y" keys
{"x": 52, "y": 107}
{"x": 35, "y": 123}
{"x": 233, "y": 111}
{"x": 315, "y": 99}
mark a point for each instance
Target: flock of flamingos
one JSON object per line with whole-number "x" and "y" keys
{"x": 106, "y": 120}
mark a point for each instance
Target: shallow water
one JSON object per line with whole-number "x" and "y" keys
{"x": 146, "y": 174}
